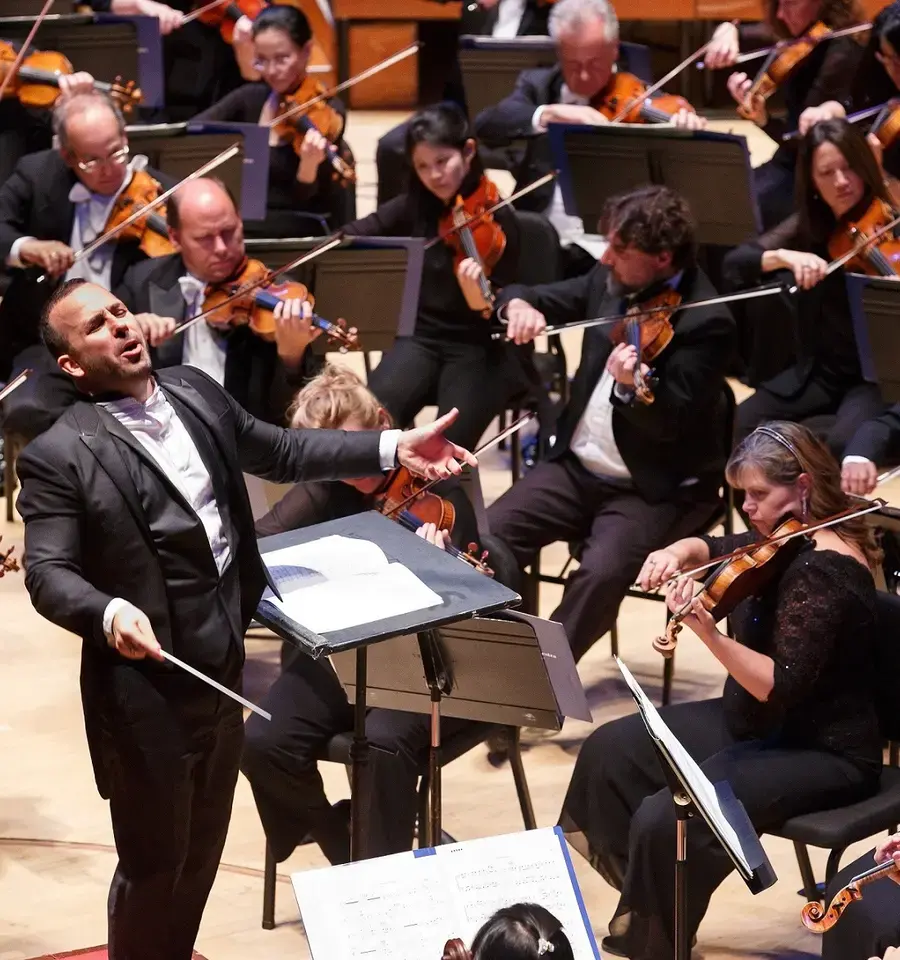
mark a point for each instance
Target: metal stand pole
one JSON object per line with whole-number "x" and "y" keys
{"x": 682, "y": 936}
{"x": 359, "y": 758}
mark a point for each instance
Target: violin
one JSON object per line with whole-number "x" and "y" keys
{"x": 887, "y": 124}
{"x": 224, "y": 16}
{"x": 319, "y": 116}
{"x": 406, "y": 499}
{"x": 880, "y": 258}
{"x": 624, "y": 88}
{"x": 648, "y": 327}
{"x": 819, "y": 920}
{"x": 781, "y": 62}
{"x": 256, "y": 309}
{"x": 8, "y": 563}
{"x": 738, "y": 578}
{"x": 151, "y": 230}
{"x": 471, "y": 231}
{"x": 36, "y": 82}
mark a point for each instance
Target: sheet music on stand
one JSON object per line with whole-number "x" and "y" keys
{"x": 408, "y": 905}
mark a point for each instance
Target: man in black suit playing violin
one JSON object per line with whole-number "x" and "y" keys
{"x": 623, "y": 476}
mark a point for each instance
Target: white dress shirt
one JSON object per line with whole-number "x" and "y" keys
{"x": 509, "y": 18}
{"x": 204, "y": 347}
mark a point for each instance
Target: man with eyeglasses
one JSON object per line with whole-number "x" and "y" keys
{"x": 55, "y": 203}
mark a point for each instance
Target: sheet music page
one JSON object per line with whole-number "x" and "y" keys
{"x": 700, "y": 785}
{"x": 338, "y": 582}
{"x": 406, "y": 907}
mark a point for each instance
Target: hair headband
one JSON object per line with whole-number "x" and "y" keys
{"x": 783, "y": 440}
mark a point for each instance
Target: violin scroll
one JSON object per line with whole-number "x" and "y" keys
{"x": 8, "y": 563}
{"x": 816, "y": 918}
{"x": 666, "y": 645}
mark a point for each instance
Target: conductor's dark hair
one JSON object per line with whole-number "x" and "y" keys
{"x": 53, "y": 340}
{"x": 173, "y": 209}
{"x": 289, "y": 20}
{"x": 654, "y": 219}
{"x": 519, "y": 932}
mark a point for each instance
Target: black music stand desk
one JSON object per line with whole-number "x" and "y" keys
{"x": 710, "y": 170}
{"x": 875, "y": 310}
{"x": 464, "y": 594}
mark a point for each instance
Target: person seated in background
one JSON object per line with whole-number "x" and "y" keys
{"x": 307, "y": 703}
{"x": 623, "y": 474}
{"x": 586, "y": 34}
{"x": 55, "y": 203}
{"x": 205, "y": 227}
{"x": 524, "y": 931}
{"x": 302, "y": 179}
{"x": 875, "y": 442}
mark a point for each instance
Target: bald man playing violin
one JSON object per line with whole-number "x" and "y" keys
{"x": 206, "y": 230}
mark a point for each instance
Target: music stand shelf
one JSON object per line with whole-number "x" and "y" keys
{"x": 874, "y": 308}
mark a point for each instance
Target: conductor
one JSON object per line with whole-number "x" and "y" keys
{"x": 139, "y": 538}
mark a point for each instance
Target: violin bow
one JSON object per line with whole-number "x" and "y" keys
{"x": 546, "y": 178}
{"x": 499, "y": 438}
{"x": 819, "y": 920}
{"x": 328, "y": 244}
{"x": 362, "y": 75}
{"x": 217, "y": 161}
{"x": 23, "y": 51}
{"x": 857, "y": 117}
{"x": 199, "y": 11}
{"x": 14, "y": 384}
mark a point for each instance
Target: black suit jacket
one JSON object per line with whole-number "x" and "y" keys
{"x": 254, "y": 374}
{"x": 475, "y": 20}
{"x": 877, "y": 439}
{"x": 682, "y": 434}
{"x": 34, "y": 202}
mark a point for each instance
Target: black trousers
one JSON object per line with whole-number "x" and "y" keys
{"x": 620, "y": 813}
{"x": 868, "y": 926}
{"x": 308, "y": 707}
{"x": 39, "y": 402}
{"x": 829, "y": 410}
{"x": 478, "y": 380}
{"x": 169, "y": 765}
{"x": 560, "y": 500}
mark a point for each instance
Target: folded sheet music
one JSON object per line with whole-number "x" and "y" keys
{"x": 339, "y": 582}
{"x": 406, "y": 906}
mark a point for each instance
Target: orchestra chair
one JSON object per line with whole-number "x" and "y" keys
{"x": 337, "y": 750}
{"x": 835, "y": 830}
{"x": 12, "y": 444}
{"x": 697, "y": 523}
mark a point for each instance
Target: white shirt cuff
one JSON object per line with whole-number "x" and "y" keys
{"x": 852, "y": 458}
{"x": 387, "y": 448}
{"x": 536, "y": 120}
{"x": 622, "y": 392}
{"x": 112, "y": 608}
{"x": 13, "y": 259}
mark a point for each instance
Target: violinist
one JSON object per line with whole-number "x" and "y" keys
{"x": 795, "y": 730}
{"x": 580, "y": 89}
{"x": 838, "y": 181}
{"x": 622, "y": 476}
{"x": 205, "y": 228}
{"x": 55, "y": 203}
{"x": 307, "y": 703}
{"x": 450, "y": 358}
{"x": 305, "y": 188}
{"x": 825, "y": 73}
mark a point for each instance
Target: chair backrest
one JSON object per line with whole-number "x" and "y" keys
{"x": 887, "y": 665}
{"x": 540, "y": 252}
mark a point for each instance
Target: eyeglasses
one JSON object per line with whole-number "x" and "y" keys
{"x": 118, "y": 158}
{"x": 282, "y": 60}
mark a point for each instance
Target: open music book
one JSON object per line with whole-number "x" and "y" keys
{"x": 406, "y": 906}
{"x": 338, "y": 582}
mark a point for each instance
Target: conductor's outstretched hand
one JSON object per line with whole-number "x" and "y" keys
{"x": 426, "y": 452}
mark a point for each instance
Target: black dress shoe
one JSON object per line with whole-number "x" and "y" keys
{"x": 615, "y": 945}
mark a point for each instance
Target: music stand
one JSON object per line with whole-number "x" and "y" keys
{"x": 453, "y": 671}
{"x": 180, "y": 148}
{"x": 694, "y": 795}
{"x": 464, "y": 594}
{"x": 106, "y": 45}
{"x": 710, "y": 170}
{"x": 383, "y": 300}
{"x": 874, "y": 308}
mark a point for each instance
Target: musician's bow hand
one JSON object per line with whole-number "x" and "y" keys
{"x": 659, "y": 567}
{"x": 73, "y": 84}
{"x": 859, "y": 477}
{"x": 829, "y": 110}
{"x": 807, "y": 268}
{"x": 426, "y": 452}
{"x": 468, "y": 275}
{"x": 889, "y": 849}
{"x": 723, "y": 48}
{"x": 294, "y": 330}
{"x": 155, "y": 328}
{"x": 430, "y": 532}
{"x": 53, "y": 255}
{"x": 523, "y": 322}
{"x": 132, "y": 636}
{"x": 169, "y": 18}
{"x": 313, "y": 150}
{"x": 622, "y": 362}
{"x": 686, "y": 119}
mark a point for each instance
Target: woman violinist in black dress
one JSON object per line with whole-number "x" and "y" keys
{"x": 450, "y": 358}
{"x": 795, "y": 730}
{"x": 307, "y": 196}
{"x": 825, "y": 74}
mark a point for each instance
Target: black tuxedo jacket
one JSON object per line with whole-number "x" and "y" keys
{"x": 477, "y": 21}
{"x": 682, "y": 434}
{"x": 510, "y": 120}
{"x": 254, "y": 374}
{"x": 34, "y": 202}
{"x": 877, "y": 439}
